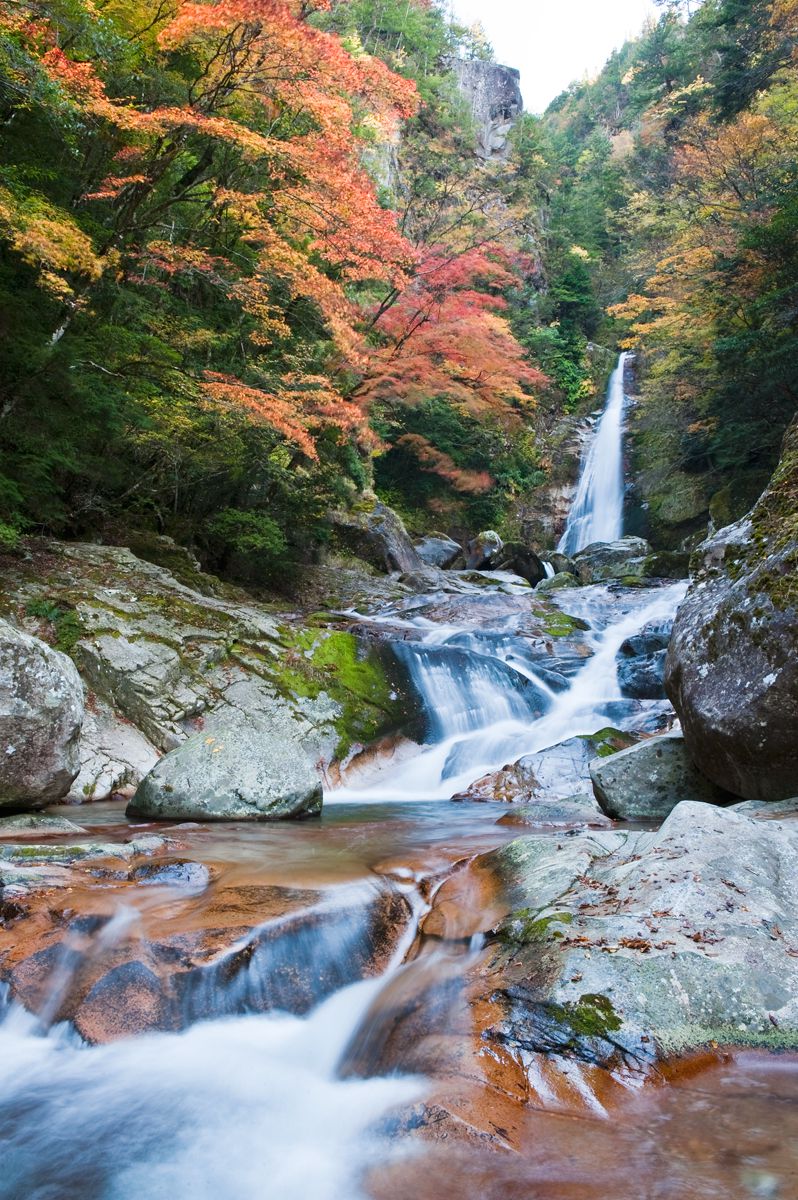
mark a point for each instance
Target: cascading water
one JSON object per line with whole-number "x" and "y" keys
{"x": 486, "y": 712}
{"x": 597, "y": 511}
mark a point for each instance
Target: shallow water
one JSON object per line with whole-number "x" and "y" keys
{"x": 278, "y": 1106}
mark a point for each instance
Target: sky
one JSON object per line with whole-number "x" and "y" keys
{"x": 553, "y": 42}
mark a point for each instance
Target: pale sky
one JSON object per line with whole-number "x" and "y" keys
{"x": 553, "y": 42}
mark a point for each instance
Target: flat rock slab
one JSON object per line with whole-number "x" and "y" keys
{"x": 620, "y": 947}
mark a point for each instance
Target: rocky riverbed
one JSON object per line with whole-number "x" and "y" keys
{"x": 535, "y": 898}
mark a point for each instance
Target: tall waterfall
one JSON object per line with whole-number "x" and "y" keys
{"x": 597, "y": 511}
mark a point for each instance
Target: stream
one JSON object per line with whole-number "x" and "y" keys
{"x": 327, "y": 1102}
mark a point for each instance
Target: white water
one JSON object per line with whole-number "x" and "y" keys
{"x": 468, "y": 741}
{"x": 246, "y": 1108}
{"x": 597, "y": 511}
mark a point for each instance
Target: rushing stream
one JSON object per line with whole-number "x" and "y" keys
{"x": 254, "y": 1105}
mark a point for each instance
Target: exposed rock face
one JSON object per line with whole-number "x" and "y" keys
{"x": 221, "y": 945}
{"x": 732, "y": 668}
{"x": 41, "y": 713}
{"x": 496, "y": 102}
{"x": 646, "y": 782}
{"x": 159, "y": 657}
{"x": 378, "y": 536}
{"x": 242, "y": 769}
{"x": 438, "y": 550}
{"x": 641, "y": 662}
{"x": 617, "y": 947}
{"x": 612, "y": 560}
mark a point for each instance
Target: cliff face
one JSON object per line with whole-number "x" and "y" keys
{"x": 496, "y": 103}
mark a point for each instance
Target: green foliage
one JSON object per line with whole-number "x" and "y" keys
{"x": 65, "y": 623}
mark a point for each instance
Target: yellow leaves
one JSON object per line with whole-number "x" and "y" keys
{"x": 49, "y": 241}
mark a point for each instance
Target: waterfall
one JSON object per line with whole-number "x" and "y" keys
{"x": 597, "y": 511}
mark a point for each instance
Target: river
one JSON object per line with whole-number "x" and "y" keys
{"x": 334, "y": 1100}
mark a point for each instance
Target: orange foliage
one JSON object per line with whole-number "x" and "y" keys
{"x": 447, "y": 337}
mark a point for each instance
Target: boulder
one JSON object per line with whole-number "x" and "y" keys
{"x": 619, "y": 948}
{"x": 605, "y": 561}
{"x": 557, "y": 582}
{"x": 732, "y": 667}
{"x": 556, "y": 773}
{"x": 238, "y": 769}
{"x": 483, "y": 551}
{"x": 438, "y": 550}
{"x": 519, "y": 559}
{"x": 641, "y": 662}
{"x": 41, "y": 713}
{"x": 647, "y": 781}
{"x": 572, "y": 812}
{"x": 377, "y": 534}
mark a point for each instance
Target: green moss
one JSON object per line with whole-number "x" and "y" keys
{"x": 609, "y": 741}
{"x": 591, "y": 1016}
{"x": 527, "y": 925}
{"x": 332, "y": 661}
{"x": 559, "y": 624}
{"x": 65, "y": 623}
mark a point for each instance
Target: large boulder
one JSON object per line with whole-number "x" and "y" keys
{"x": 41, "y": 713}
{"x": 518, "y": 558}
{"x": 482, "y": 551}
{"x": 438, "y": 550}
{"x": 647, "y": 781}
{"x": 732, "y": 667}
{"x": 238, "y": 769}
{"x": 377, "y": 534}
{"x": 620, "y": 947}
{"x": 605, "y": 561}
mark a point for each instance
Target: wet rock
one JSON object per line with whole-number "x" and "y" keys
{"x": 647, "y": 781}
{"x": 569, "y": 813}
{"x": 127, "y": 998}
{"x": 438, "y": 550}
{"x": 732, "y": 668}
{"x": 603, "y": 561}
{"x": 244, "y": 770}
{"x": 659, "y": 943}
{"x": 641, "y": 662}
{"x": 376, "y": 534}
{"x": 522, "y": 561}
{"x": 556, "y": 584}
{"x": 37, "y": 825}
{"x": 557, "y": 773}
{"x": 668, "y": 564}
{"x": 41, "y": 713}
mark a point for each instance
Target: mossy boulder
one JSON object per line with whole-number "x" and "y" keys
{"x": 647, "y": 781}
{"x": 606, "y": 561}
{"x": 732, "y": 666}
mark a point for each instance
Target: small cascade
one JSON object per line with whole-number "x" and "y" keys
{"x": 597, "y": 511}
{"x": 484, "y": 712}
{"x": 549, "y": 569}
{"x": 462, "y": 690}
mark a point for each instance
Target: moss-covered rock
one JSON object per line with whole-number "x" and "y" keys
{"x": 732, "y": 667}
